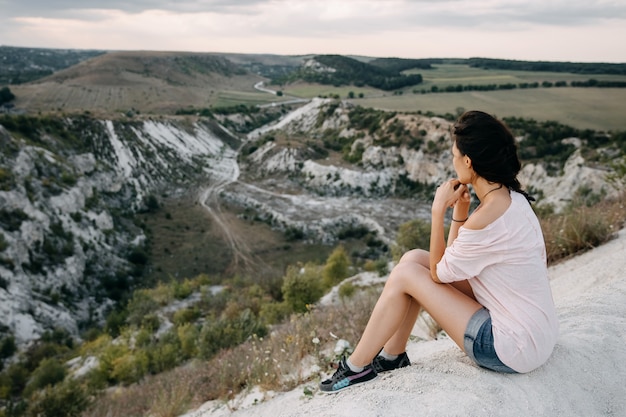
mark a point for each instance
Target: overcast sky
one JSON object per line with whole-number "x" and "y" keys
{"x": 555, "y": 30}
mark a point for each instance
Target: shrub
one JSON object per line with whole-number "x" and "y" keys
{"x": 347, "y": 290}
{"x": 151, "y": 322}
{"x": 381, "y": 265}
{"x": 186, "y": 315}
{"x": 219, "y": 334}
{"x": 188, "y": 335}
{"x": 7, "y": 181}
{"x": 302, "y": 286}
{"x": 141, "y": 305}
{"x": 108, "y": 357}
{"x": 130, "y": 367}
{"x": 182, "y": 290}
{"x": 12, "y": 220}
{"x": 7, "y": 346}
{"x": 578, "y": 229}
{"x": 13, "y": 380}
{"x": 49, "y": 372}
{"x": 274, "y": 312}
{"x": 115, "y": 321}
{"x": 414, "y": 234}
{"x": 69, "y": 399}
{"x": 336, "y": 268}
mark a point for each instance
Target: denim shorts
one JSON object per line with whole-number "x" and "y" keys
{"x": 478, "y": 343}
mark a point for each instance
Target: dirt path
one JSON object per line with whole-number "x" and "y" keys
{"x": 224, "y": 172}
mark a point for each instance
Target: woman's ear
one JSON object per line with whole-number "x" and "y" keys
{"x": 468, "y": 161}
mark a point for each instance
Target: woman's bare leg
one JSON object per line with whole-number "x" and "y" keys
{"x": 409, "y": 287}
{"x": 397, "y": 343}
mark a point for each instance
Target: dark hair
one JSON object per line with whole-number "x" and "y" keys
{"x": 491, "y": 147}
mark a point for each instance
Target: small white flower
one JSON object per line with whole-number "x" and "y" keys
{"x": 342, "y": 346}
{"x": 316, "y": 340}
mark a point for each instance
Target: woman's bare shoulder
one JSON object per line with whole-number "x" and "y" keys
{"x": 485, "y": 215}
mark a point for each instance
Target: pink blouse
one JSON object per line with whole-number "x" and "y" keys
{"x": 505, "y": 264}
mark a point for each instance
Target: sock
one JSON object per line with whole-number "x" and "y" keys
{"x": 353, "y": 367}
{"x": 387, "y": 356}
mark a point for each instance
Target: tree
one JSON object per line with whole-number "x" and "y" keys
{"x": 6, "y": 95}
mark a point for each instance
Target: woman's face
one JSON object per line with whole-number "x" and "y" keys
{"x": 462, "y": 165}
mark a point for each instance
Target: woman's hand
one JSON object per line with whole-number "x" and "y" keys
{"x": 451, "y": 194}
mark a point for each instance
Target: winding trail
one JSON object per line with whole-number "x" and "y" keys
{"x": 225, "y": 172}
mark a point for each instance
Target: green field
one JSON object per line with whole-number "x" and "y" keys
{"x": 602, "y": 109}
{"x": 251, "y": 98}
{"x": 450, "y": 74}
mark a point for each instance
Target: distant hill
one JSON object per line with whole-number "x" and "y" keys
{"x": 149, "y": 82}
{"x": 402, "y": 64}
{"x": 550, "y": 66}
{"x": 341, "y": 70}
{"x": 21, "y": 65}
{"x": 119, "y": 68}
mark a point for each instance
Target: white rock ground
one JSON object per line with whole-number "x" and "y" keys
{"x": 586, "y": 375}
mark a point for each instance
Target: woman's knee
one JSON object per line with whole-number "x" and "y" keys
{"x": 419, "y": 256}
{"x": 407, "y": 274}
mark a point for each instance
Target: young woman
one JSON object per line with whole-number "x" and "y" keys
{"x": 487, "y": 288}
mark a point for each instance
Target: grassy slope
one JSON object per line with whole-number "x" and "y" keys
{"x": 152, "y": 82}
{"x": 186, "y": 242}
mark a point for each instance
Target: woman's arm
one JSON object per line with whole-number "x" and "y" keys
{"x": 446, "y": 196}
{"x": 437, "y": 243}
{"x": 460, "y": 214}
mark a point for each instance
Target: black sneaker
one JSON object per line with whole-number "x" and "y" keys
{"x": 344, "y": 377}
{"x": 381, "y": 364}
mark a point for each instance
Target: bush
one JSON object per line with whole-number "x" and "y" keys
{"x": 188, "y": 336}
{"x": 381, "y": 265}
{"x": 13, "y": 380}
{"x": 130, "y": 367}
{"x": 49, "y": 373}
{"x": 6, "y": 95}
{"x": 64, "y": 400}
{"x": 219, "y": 334}
{"x": 186, "y": 315}
{"x": 347, "y": 290}
{"x": 272, "y": 313}
{"x": 301, "y": 288}
{"x": 581, "y": 229}
{"x": 3, "y": 243}
{"x": 116, "y": 319}
{"x": 182, "y": 290}
{"x": 336, "y": 268}
{"x": 414, "y": 234}
{"x": 7, "y": 346}
{"x": 141, "y": 305}
{"x": 165, "y": 355}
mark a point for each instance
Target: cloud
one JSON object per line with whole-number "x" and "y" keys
{"x": 65, "y": 8}
{"x": 475, "y": 28}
